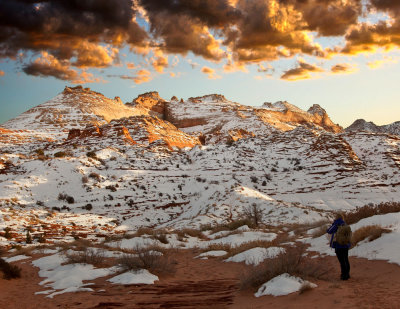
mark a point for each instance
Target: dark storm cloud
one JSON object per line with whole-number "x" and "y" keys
{"x": 213, "y": 13}
{"x": 69, "y": 29}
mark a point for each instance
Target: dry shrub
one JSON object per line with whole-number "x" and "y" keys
{"x": 369, "y": 232}
{"x": 292, "y": 262}
{"x": 162, "y": 238}
{"x": 254, "y": 214}
{"x": 190, "y": 232}
{"x": 300, "y": 229}
{"x": 150, "y": 259}
{"x": 218, "y": 247}
{"x": 9, "y": 271}
{"x": 144, "y": 231}
{"x": 233, "y": 225}
{"x": 87, "y": 256}
{"x": 371, "y": 210}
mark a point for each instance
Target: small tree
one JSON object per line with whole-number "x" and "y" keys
{"x": 254, "y": 213}
{"x": 28, "y": 237}
{"x": 7, "y": 233}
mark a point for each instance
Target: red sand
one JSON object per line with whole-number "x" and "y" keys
{"x": 214, "y": 284}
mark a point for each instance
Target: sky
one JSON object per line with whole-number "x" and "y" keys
{"x": 341, "y": 54}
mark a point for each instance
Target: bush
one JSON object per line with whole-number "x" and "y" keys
{"x": 87, "y": 255}
{"x": 371, "y": 210}
{"x": 254, "y": 214}
{"x": 66, "y": 197}
{"x": 292, "y": 262}
{"x": 91, "y": 154}
{"x": 60, "y": 154}
{"x": 95, "y": 176}
{"x": 111, "y": 188}
{"x": 7, "y": 233}
{"x": 28, "y": 238}
{"x": 369, "y": 232}
{"x": 9, "y": 271}
{"x": 88, "y": 207}
{"x": 148, "y": 258}
{"x": 85, "y": 179}
{"x": 39, "y": 152}
{"x": 161, "y": 238}
{"x": 190, "y": 232}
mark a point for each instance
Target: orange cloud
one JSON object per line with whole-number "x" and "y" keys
{"x": 301, "y": 72}
{"x": 130, "y": 65}
{"x": 210, "y": 72}
{"x": 48, "y": 65}
{"x": 342, "y": 68}
{"x": 2, "y": 73}
{"x": 90, "y": 34}
{"x": 143, "y": 76}
{"x": 160, "y": 63}
{"x": 376, "y": 64}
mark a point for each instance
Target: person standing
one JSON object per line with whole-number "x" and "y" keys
{"x": 340, "y": 241}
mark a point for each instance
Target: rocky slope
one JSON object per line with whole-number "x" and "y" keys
{"x": 74, "y": 108}
{"x": 204, "y": 163}
{"x": 362, "y": 125}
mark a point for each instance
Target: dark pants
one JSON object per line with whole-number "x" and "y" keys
{"x": 343, "y": 257}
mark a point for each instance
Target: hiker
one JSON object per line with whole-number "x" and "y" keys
{"x": 340, "y": 241}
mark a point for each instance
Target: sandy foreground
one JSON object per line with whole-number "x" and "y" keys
{"x": 214, "y": 284}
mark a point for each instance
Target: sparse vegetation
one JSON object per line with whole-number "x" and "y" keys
{"x": 371, "y": 210}
{"x": 9, "y": 271}
{"x": 292, "y": 262}
{"x": 369, "y": 232}
{"x": 65, "y": 197}
{"x": 149, "y": 258}
{"x": 87, "y": 255}
{"x": 61, "y": 154}
{"x": 254, "y": 214}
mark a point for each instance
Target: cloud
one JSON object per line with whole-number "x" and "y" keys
{"x": 142, "y": 76}
{"x": 210, "y": 72}
{"x": 84, "y": 33}
{"x": 130, "y": 65}
{"x": 48, "y": 65}
{"x": 302, "y": 71}
{"x": 90, "y": 34}
{"x": 160, "y": 63}
{"x": 376, "y": 64}
{"x": 93, "y": 55}
{"x": 2, "y": 73}
{"x": 342, "y": 68}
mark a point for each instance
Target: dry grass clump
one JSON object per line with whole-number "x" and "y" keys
{"x": 86, "y": 256}
{"x": 301, "y": 229}
{"x": 371, "y": 210}
{"x": 190, "y": 232}
{"x": 369, "y": 232}
{"x": 292, "y": 262}
{"x": 230, "y": 226}
{"x": 9, "y": 271}
{"x": 218, "y": 247}
{"x": 148, "y": 258}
